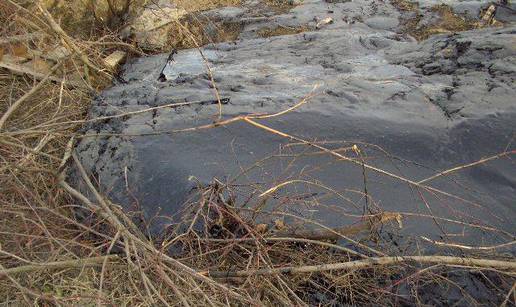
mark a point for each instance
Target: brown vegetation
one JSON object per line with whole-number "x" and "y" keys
{"x": 449, "y": 22}
{"x": 52, "y": 64}
{"x": 282, "y": 30}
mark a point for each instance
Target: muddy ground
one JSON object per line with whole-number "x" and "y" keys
{"x": 412, "y": 108}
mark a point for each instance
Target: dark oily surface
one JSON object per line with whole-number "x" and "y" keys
{"x": 412, "y": 109}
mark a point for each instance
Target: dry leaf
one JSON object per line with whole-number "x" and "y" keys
{"x": 39, "y": 65}
{"x": 20, "y": 50}
{"x": 261, "y": 228}
{"x": 279, "y": 224}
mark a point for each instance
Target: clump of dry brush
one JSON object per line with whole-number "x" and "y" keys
{"x": 218, "y": 255}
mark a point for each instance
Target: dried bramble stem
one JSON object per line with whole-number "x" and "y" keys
{"x": 27, "y": 95}
{"x": 77, "y": 263}
{"x": 366, "y": 263}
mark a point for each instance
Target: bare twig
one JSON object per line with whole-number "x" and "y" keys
{"x": 20, "y": 38}
{"x": 33, "y": 90}
{"x": 68, "y": 41}
{"x": 461, "y": 167}
{"x": 77, "y": 263}
{"x": 467, "y": 246}
{"x": 23, "y": 70}
{"x": 335, "y": 234}
{"x": 367, "y": 263}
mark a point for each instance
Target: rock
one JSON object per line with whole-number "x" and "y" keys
{"x": 440, "y": 103}
{"x": 115, "y": 59}
{"x": 229, "y": 13}
{"x": 381, "y": 22}
{"x": 151, "y": 28}
{"x": 323, "y": 22}
{"x": 506, "y": 13}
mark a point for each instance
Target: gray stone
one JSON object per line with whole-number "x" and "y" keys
{"x": 381, "y": 22}
{"x": 431, "y": 106}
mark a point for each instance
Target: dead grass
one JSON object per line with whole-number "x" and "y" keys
{"x": 282, "y": 30}
{"x": 405, "y": 5}
{"x": 201, "y": 5}
{"x": 220, "y": 32}
{"x": 280, "y": 6}
{"x": 51, "y": 256}
{"x": 449, "y": 22}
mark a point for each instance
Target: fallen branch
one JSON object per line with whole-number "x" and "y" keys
{"x": 20, "y": 38}
{"x": 67, "y": 264}
{"x": 18, "y": 69}
{"x": 467, "y": 246}
{"x": 370, "y": 262}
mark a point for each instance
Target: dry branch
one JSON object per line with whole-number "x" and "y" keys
{"x": 136, "y": 238}
{"x": 461, "y": 167}
{"x": 18, "y": 69}
{"x": 33, "y": 90}
{"x": 78, "y": 263}
{"x": 20, "y": 38}
{"x": 461, "y": 246}
{"x": 370, "y": 262}
{"x": 68, "y": 41}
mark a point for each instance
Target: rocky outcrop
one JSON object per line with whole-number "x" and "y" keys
{"x": 432, "y": 105}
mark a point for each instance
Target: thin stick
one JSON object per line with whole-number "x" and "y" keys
{"x": 287, "y": 239}
{"x": 461, "y": 167}
{"x": 208, "y": 68}
{"x": 250, "y": 120}
{"x": 23, "y": 70}
{"x": 202, "y": 127}
{"x": 508, "y": 297}
{"x": 21, "y": 38}
{"x": 68, "y": 41}
{"x": 78, "y": 263}
{"x": 370, "y": 262}
{"x": 170, "y": 283}
{"x": 22, "y": 99}
{"x": 103, "y": 271}
{"x": 336, "y": 233}
{"x": 467, "y": 246}
{"x": 30, "y": 150}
